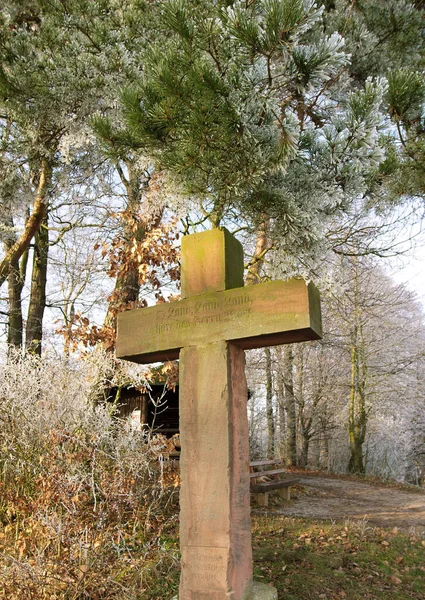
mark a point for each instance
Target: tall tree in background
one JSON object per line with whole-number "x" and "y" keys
{"x": 343, "y": 409}
{"x": 290, "y": 406}
{"x": 42, "y": 106}
{"x": 280, "y": 404}
{"x": 269, "y": 405}
{"x": 358, "y": 406}
{"x": 37, "y": 303}
{"x": 374, "y": 319}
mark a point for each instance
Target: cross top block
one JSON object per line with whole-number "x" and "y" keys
{"x": 216, "y": 306}
{"x": 211, "y": 261}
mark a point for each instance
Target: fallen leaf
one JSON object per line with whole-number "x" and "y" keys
{"x": 395, "y": 580}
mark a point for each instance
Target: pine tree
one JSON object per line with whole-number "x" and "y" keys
{"x": 253, "y": 106}
{"x": 386, "y": 38}
{"x": 218, "y": 102}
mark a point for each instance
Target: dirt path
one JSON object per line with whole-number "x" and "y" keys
{"x": 326, "y": 498}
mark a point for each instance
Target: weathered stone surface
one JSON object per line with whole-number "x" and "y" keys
{"x": 271, "y": 313}
{"x": 211, "y": 261}
{"x": 259, "y": 591}
{"x": 215, "y": 527}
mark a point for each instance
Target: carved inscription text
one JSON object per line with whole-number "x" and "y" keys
{"x": 176, "y": 318}
{"x": 208, "y": 567}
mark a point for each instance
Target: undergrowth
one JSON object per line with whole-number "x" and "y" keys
{"x": 89, "y": 511}
{"x": 88, "y": 508}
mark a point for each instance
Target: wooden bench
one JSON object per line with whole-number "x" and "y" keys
{"x": 272, "y": 472}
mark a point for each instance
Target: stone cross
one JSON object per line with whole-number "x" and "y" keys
{"x": 209, "y": 329}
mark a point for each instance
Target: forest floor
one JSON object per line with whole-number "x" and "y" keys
{"x": 342, "y": 538}
{"x": 333, "y": 498}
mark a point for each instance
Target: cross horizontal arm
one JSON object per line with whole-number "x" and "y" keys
{"x": 267, "y": 314}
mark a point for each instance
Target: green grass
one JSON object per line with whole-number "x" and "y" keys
{"x": 306, "y": 559}
{"x": 309, "y": 560}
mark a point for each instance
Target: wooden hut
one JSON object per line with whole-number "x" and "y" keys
{"x": 156, "y": 409}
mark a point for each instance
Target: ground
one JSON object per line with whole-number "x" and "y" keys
{"x": 342, "y": 538}
{"x": 336, "y": 499}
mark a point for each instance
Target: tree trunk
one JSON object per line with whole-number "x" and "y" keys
{"x": 315, "y": 454}
{"x": 253, "y": 277}
{"x": 304, "y": 420}
{"x": 69, "y": 313}
{"x": 15, "y": 322}
{"x": 127, "y": 287}
{"x": 126, "y": 290}
{"x": 324, "y": 453}
{"x": 269, "y": 405}
{"x": 291, "y": 416}
{"x": 37, "y": 305}
{"x": 261, "y": 248}
{"x": 357, "y": 409}
{"x": 16, "y": 281}
{"x": 306, "y": 409}
{"x": 280, "y": 397}
{"x": 32, "y": 225}
{"x": 252, "y": 420}
{"x": 357, "y": 415}
{"x": 303, "y": 460}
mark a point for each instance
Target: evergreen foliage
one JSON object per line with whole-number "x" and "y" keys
{"x": 220, "y": 104}
{"x": 387, "y": 38}
{"x": 278, "y": 107}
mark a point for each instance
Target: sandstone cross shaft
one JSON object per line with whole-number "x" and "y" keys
{"x": 209, "y": 329}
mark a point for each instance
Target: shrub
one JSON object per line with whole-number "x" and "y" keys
{"x": 87, "y": 504}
